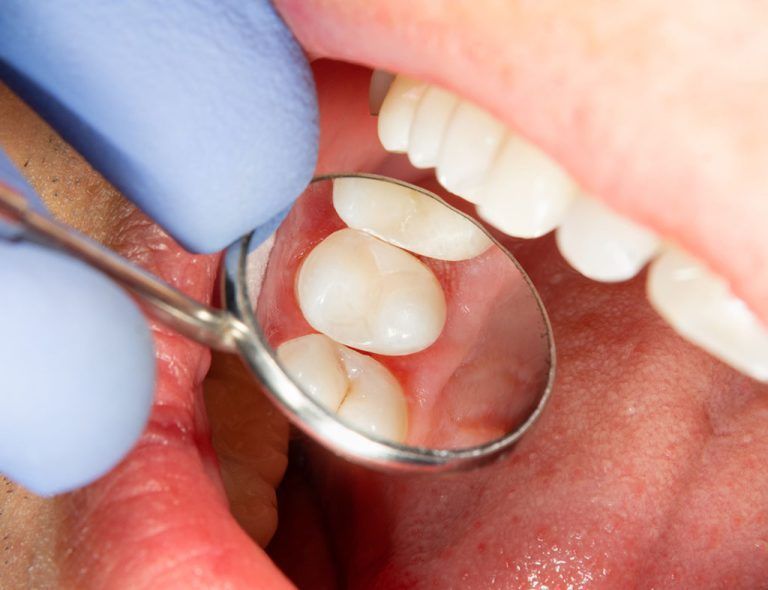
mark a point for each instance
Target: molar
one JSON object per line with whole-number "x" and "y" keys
{"x": 370, "y": 295}
{"x": 357, "y": 388}
{"x": 406, "y": 218}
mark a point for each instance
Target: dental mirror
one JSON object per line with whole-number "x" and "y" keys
{"x": 392, "y": 328}
{"x": 386, "y": 324}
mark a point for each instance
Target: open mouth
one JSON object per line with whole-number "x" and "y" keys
{"x": 644, "y": 470}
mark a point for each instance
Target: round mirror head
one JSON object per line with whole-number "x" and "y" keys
{"x": 392, "y": 327}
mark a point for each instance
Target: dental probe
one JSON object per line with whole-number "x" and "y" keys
{"x": 236, "y": 330}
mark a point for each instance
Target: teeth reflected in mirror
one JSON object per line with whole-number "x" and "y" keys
{"x": 402, "y": 317}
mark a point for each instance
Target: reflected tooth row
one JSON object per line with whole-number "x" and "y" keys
{"x": 522, "y": 192}
{"x": 357, "y": 388}
{"x": 517, "y": 188}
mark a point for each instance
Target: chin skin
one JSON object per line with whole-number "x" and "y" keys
{"x": 647, "y": 464}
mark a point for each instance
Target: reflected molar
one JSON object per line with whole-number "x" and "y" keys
{"x": 357, "y": 388}
{"x": 603, "y": 245}
{"x": 701, "y": 307}
{"x": 406, "y": 218}
{"x": 370, "y": 295}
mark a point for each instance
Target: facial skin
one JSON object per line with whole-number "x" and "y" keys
{"x": 647, "y": 466}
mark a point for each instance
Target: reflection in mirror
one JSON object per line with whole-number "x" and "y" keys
{"x": 401, "y": 315}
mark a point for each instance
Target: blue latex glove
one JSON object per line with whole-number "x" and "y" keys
{"x": 202, "y": 113}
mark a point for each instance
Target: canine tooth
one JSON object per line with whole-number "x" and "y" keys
{"x": 381, "y": 81}
{"x": 407, "y": 218}
{"x": 526, "y": 194}
{"x": 432, "y": 115}
{"x": 397, "y": 110}
{"x": 471, "y": 141}
{"x": 359, "y": 389}
{"x": 603, "y": 245}
{"x": 370, "y": 295}
{"x": 314, "y": 362}
{"x": 701, "y": 307}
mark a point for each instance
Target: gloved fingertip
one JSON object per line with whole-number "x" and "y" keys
{"x": 78, "y": 370}
{"x": 202, "y": 113}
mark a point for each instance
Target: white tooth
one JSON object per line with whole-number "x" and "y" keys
{"x": 381, "y": 81}
{"x": 359, "y": 389}
{"x": 375, "y": 403}
{"x": 470, "y": 143}
{"x": 396, "y": 114}
{"x": 701, "y": 307}
{"x": 407, "y": 218}
{"x": 601, "y": 244}
{"x": 525, "y": 193}
{"x": 429, "y": 123}
{"x": 370, "y": 295}
{"x": 314, "y": 362}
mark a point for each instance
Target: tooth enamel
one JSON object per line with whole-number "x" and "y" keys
{"x": 375, "y": 403}
{"x": 397, "y": 113}
{"x": 370, "y": 295}
{"x": 359, "y": 389}
{"x": 406, "y": 218}
{"x": 601, "y": 244}
{"x": 314, "y": 363}
{"x": 526, "y": 194}
{"x": 428, "y": 127}
{"x": 701, "y": 307}
{"x": 471, "y": 140}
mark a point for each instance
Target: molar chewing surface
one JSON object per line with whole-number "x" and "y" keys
{"x": 370, "y": 295}
{"x": 522, "y": 192}
{"x": 354, "y": 386}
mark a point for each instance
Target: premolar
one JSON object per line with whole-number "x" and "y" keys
{"x": 370, "y": 295}
{"x": 406, "y": 218}
{"x": 700, "y": 306}
{"x": 359, "y": 389}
